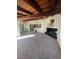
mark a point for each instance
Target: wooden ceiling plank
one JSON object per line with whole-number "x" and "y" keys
{"x": 26, "y": 6}
{"x": 21, "y": 14}
{"x": 23, "y": 10}
{"x": 45, "y": 4}
{"x": 34, "y": 4}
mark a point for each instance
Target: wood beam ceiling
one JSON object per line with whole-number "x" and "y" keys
{"x": 23, "y": 10}
{"x": 46, "y": 5}
{"x": 26, "y": 6}
{"x": 34, "y": 9}
{"x": 34, "y": 4}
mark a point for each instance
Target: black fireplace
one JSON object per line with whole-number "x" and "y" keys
{"x": 52, "y": 32}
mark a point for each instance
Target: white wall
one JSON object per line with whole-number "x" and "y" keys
{"x": 44, "y": 24}
{"x": 57, "y": 24}
{"x": 18, "y": 27}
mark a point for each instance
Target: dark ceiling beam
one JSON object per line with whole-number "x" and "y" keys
{"x": 23, "y": 10}
{"x": 31, "y": 17}
{"x": 26, "y": 18}
{"x": 35, "y": 5}
{"x": 21, "y": 14}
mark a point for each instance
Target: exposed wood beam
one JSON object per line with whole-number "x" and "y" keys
{"x": 26, "y": 6}
{"x": 31, "y": 17}
{"x": 25, "y": 18}
{"x": 35, "y": 5}
{"x": 21, "y": 14}
{"x": 23, "y": 10}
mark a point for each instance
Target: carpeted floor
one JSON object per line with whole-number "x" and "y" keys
{"x": 40, "y": 46}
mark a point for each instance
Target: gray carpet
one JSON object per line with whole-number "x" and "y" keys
{"x": 40, "y": 46}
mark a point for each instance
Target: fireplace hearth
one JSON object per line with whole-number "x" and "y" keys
{"x": 52, "y": 32}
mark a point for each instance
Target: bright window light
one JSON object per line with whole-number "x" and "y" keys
{"x": 27, "y": 36}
